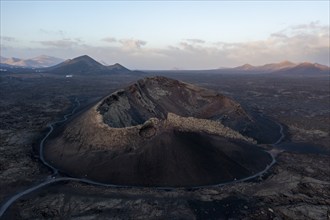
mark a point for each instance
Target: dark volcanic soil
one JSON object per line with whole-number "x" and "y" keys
{"x": 297, "y": 187}
{"x": 173, "y": 158}
{"x": 133, "y": 137}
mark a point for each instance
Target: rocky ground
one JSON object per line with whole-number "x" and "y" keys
{"x": 297, "y": 187}
{"x": 27, "y": 104}
{"x": 300, "y": 103}
{"x": 294, "y": 189}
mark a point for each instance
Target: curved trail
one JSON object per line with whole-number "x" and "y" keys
{"x": 53, "y": 178}
{"x": 51, "y": 129}
{"x": 50, "y": 179}
{"x": 281, "y": 132}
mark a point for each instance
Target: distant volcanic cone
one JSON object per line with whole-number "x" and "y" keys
{"x": 159, "y": 132}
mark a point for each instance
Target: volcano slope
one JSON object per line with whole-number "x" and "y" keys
{"x": 159, "y": 132}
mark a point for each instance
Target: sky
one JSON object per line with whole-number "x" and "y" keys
{"x": 168, "y": 34}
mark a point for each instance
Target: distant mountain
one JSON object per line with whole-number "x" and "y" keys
{"x": 117, "y": 67}
{"x": 85, "y": 65}
{"x": 103, "y": 63}
{"x": 45, "y": 61}
{"x": 78, "y": 65}
{"x": 306, "y": 68}
{"x": 276, "y": 66}
{"x": 271, "y": 67}
{"x": 245, "y": 67}
{"x": 36, "y": 62}
{"x": 285, "y": 67}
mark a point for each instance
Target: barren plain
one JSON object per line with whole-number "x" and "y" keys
{"x": 296, "y": 187}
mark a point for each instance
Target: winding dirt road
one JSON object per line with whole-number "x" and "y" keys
{"x": 54, "y": 177}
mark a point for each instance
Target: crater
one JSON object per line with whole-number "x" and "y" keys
{"x": 160, "y": 132}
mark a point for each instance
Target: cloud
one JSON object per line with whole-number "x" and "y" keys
{"x": 64, "y": 43}
{"x": 314, "y": 25}
{"x": 109, "y": 39}
{"x": 3, "y": 47}
{"x": 132, "y": 44}
{"x": 195, "y": 41}
{"x": 278, "y": 35}
{"x": 51, "y": 32}
{"x": 305, "y": 42}
{"x": 8, "y": 39}
{"x": 127, "y": 44}
{"x": 186, "y": 46}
